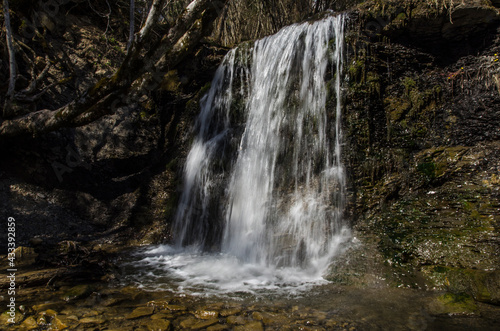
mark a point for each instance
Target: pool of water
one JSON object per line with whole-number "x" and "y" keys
{"x": 193, "y": 272}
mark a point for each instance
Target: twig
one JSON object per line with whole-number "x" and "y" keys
{"x": 10, "y": 47}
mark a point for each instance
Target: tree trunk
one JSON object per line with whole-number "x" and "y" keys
{"x": 132, "y": 20}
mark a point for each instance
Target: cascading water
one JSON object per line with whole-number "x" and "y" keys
{"x": 263, "y": 181}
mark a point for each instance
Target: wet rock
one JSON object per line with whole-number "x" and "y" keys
{"x": 112, "y": 302}
{"x": 319, "y": 315}
{"x": 91, "y": 313}
{"x": 236, "y": 320}
{"x": 7, "y": 316}
{"x": 29, "y": 323}
{"x": 77, "y": 292}
{"x": 331, "y": 323}
{"x": 42, "y": 320}
{"x": 175, "y": 308}
{"x": 140, "y": 312}
{"x": 270, "y": 318}
{"x": 49, "y": 312}
{"x": 206, "y": 314}
{"x": 204, "y": 324}
{"x": 25, "y": 255}
{"x": 93, "y": 320}
{"x": 230, "y": 311}
{"x": 453, "y": 304}
{"x": 217, "y": 327}
{"x": 57, "y": 324}
{"x": 186, "y": 323}
{"x": 483, "y": 286}
{"x": 252, "y": 326}
{"x": 161, "y": 316}
{"x": 158, "y": 325}
{"x": 158, "y": 305}
{"x": 215, "y": 306}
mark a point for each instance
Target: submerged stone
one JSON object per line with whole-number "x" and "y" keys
{"x": 230, "y": 311}
{"x": 204, "y": 324}
{"x": 77, "y": 292}
{"x": 252, "y": 326}
{"x": 453, "y": 304}
{"x": 57, "y": 324}
{"x": 158, "y": 325}
{"x": 237, "y": 320}
{"x": 217, "y": 327}
{"x": 29, "y": 323}
{"x": 188, "y": 322}
{"x": 92, "y": 320}
{"x": 206, "y": 314}
{"x": 6, "y": 317}
{"x": 140, "y": 312}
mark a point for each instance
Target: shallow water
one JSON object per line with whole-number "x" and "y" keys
{"x": 326, "y": 306}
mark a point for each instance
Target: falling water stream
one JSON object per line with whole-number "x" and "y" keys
{"x": 263, "y": 194}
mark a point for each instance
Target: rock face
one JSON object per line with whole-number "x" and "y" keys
{"x": 422, "y": 149}
{"x": 114, "y": 180}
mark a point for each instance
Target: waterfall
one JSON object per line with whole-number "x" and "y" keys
{"x": 264, "y": 181}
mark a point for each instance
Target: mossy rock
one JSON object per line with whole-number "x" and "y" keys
{"x": 7, "y": 317}
{"x": 77, "y": 292}
{"x": 453, "y": 304}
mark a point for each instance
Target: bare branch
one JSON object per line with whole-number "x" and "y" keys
{"x": 101, "y": 99}
{"x": 10, "y": 47}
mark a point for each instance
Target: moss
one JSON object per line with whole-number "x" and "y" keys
{"x": 171, "y": 81}
{"x": 428, "y": 169}
{"x": 460, "y": 303}
{"x": 356, "y": 70}
{"x": 409, "y": 84}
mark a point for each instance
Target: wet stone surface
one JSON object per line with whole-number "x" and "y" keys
{"x": 328, "y": 307}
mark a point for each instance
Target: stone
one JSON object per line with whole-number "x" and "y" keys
{"x": 92, "y": 320}
{"x": 453, "y": 304}
{"x": 140, "y": 312}
{"x": 206, "y": 314}
{"x": 29, "y": 323}
{"x": 91, "y": 313}
{"x": 217, "y": 327}
{"x": 175, "y": 308}
{"x": 25, "y": 255}
{"x": 158, "y": 305}
{"x": 252, "y": 326}
{"x": 158, "y": 325}
{"x": 49, "y": 305}
{"x": 49, "y": 312}
{"x": 230, "y": 311}
{"x": 112, "y": 302}
{"x": 188, "y": 322}
{"x": 270, "y": 318}
{"x": 57, "y": 324}
{"x": 4, "y": 318}
{"x": 204, "y": 324}
{"x": 77, "y": 292}
{"x": 160, "y": 316}
{"x": 236, "y": 320}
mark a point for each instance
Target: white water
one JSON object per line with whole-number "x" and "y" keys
{"x": 263, "y": 181}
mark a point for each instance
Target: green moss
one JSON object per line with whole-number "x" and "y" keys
{"x": 356, "y": 70}
{"x": 171, "y": 81}
{"x": 409, "y": 84}
{"x": 460, "y": 303}
{"x": 428, "y": 169}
